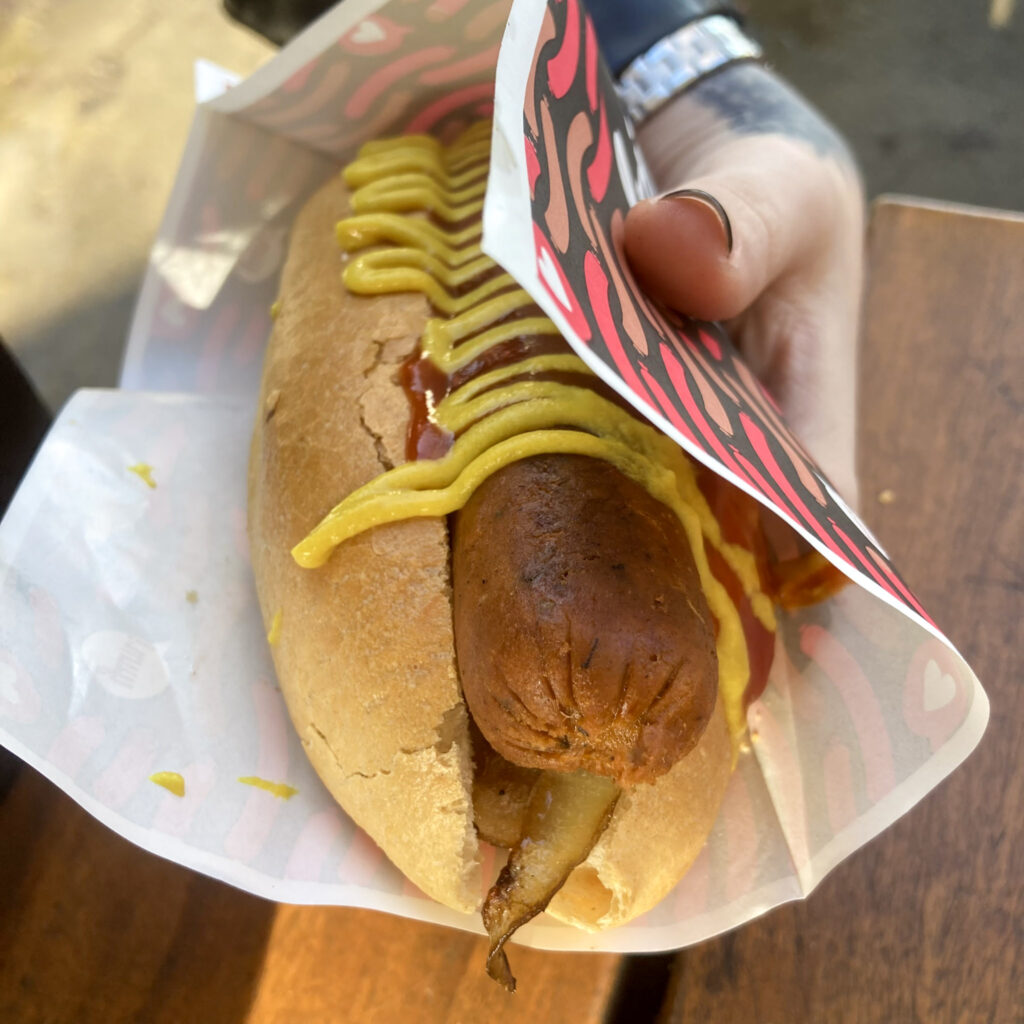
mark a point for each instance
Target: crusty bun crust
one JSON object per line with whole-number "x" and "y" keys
{"x": 365, "y": 651}
{"x": 365, "y": 648}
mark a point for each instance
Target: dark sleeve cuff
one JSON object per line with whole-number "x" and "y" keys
{"x": 627, "y": 28}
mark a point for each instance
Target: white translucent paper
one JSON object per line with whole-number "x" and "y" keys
{"x": 130, "y": 639}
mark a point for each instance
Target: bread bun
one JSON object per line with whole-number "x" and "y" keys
{"x": 365, "y": 650}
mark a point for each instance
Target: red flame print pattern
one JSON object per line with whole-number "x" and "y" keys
{"x": 688, "y": 372}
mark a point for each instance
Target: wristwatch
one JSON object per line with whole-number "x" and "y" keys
{"x": 658, "y": 48}
{"x": 680, "y": 60}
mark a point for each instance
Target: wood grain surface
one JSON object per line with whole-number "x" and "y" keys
{"x": 925, "y": 923}
{"x": 922, "y": 925}
{"x": 96, "y": 931}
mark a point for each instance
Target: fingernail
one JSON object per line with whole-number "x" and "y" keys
{"x": 710, "y": 201}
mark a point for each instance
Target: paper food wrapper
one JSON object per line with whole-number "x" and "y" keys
{"x": 130, "y": 639}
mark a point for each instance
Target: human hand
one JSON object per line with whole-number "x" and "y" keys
{"x": 789, "y": 290}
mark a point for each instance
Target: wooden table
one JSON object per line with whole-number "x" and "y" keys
{"x": 925, "y": 924}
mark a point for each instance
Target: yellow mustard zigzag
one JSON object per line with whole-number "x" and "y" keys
{"x": 508, "y": 413}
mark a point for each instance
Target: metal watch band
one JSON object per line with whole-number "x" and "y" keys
{"x": 678, "y": 61}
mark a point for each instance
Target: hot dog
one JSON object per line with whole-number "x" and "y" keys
{"x": 499, "y": 591}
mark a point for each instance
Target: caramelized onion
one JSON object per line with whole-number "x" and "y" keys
{"x": 566, "y": 815}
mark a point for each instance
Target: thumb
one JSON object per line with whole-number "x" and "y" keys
{"x": 711, "y": 246}
{"x": 789, "y": 281}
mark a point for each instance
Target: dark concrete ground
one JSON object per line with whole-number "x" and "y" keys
{"x": 930, "y": 93}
